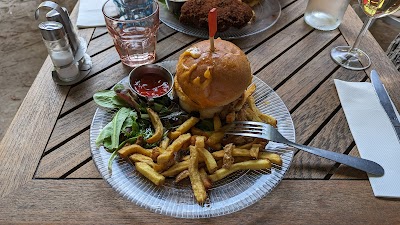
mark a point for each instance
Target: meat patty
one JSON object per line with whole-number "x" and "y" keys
{"x": 230, "y": 13}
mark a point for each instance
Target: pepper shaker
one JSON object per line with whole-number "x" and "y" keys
{"x": 60, "y": 51}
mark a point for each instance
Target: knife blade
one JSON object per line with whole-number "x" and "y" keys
{"x": 385, "y": 101}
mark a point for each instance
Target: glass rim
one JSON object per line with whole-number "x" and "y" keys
{"x": 130, "y": 21}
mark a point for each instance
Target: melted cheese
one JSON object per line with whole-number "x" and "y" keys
{"x": 193, "y": 52}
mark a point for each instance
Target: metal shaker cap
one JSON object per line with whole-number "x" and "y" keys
{"x": 51, "y": 30}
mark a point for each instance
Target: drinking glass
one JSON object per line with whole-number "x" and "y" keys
{"x": 325, "y": 14}
{"x": 351, "y": 57}
{"x": 133, "y": 28}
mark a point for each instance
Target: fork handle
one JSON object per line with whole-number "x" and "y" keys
{"x": 358, "y": 163}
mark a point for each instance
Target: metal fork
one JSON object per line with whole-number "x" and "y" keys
{"x": 266, "y": 131}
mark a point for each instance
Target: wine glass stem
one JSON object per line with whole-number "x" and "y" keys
{"x": 364, "y": 29}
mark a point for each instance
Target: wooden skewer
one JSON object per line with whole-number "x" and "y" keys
{"x": 212, "y": 27}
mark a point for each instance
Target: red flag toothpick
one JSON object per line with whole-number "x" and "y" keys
{"x": 212, "y": 26}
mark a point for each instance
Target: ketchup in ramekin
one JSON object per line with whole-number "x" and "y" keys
{"x": 151, "y": 81}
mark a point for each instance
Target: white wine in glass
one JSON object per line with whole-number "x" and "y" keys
{"x": 351, "y": 57}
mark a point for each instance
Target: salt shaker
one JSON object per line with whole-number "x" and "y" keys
{"x": 60, "y": 51}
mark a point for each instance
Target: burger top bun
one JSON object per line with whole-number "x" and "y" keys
{"x": 205, "y": 81}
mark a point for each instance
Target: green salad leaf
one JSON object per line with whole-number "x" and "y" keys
{"x": 117, "y": 123}
{"x": 108, "y": 99}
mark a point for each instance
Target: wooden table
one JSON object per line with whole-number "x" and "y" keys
{"x": 47, "y": 174}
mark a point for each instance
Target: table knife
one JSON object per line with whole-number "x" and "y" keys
{"x": 385, "y": 101}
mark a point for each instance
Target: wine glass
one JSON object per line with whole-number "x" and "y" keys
{"x": 351, "y": 57}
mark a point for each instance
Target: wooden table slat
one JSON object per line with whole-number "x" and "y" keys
{"x": 313, "y": 167}
{"x": 63, "y": 159}
{"x": 292, "y": 202}
{"x": 301, "y": 83}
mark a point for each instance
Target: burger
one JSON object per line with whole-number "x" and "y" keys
{"x": 206, "y": 80}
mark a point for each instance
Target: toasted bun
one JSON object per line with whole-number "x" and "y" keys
{"x": 205, "y": 81}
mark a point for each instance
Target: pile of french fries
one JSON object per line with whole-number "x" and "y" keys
{"x": 210, "y": 155}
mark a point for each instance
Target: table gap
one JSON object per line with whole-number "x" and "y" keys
{"x": 306, "y": 62}
{"x": 76, "y": 167}
{"x": 63, "y": 142}
{"x": 273, "y": 34}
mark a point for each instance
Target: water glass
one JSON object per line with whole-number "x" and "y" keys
{"x": 133, "y": 28}
{"x": 325, "y": 14}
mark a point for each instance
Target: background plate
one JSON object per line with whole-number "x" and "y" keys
{"x": 229, "y": 195}
{"x": 267, "y": 13}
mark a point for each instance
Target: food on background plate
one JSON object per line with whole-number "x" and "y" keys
{"x": 163, "y": 141}
{"x": 231, "y": 13}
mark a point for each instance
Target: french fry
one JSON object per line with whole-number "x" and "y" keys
{"x": 197, "y": 131}
{"x": 150, "y": 173}
{"x": 247, "y": 165}
{"x": 209, "y": 160}
{"x": 215, "y": 139}
{"x": 273, "y": 157}
{"x": 187, "y": 157}
{"x": 184, "y": 127}
{"x": 204, "y": 177}
{"x": 251, "y": 115}
{"x": 228, "y": 159}
{"x": 131, "y": 149}
{"x": 181, "y": 176}
{"x": 176, "y": 169}
{"x": 263, "y": 117}
{"x": 235, "y": 152}
{"x": 142, "y": 158}
{"x": 248, "y": 92}
{"x": 240, "y": 152}
{"x": 172, "y": 148}
{"x": 158, "y": 127}
{"x": 217, "y": 122}
{"x": 195, "y": 179}
{"x": 246, "y": 146}
{"x": 200, "y": 141}
{"x": 255, "y": 141}
{"x": 164, "y": 143}
{"x": 255, "y": 148}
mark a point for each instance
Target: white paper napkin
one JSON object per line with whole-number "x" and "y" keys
{"x": 90, "y": 14}
{"x": 373, "y": 133}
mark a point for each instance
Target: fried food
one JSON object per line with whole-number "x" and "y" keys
{"x": 195, "y": 179}
{"x": 209, "y": 160}
{"x": 150, "y": 173}
{"x": 168, "y": 154}
{"x": 230, "y": 13}
{"x": 176, "y": 169}
{"x": 131, "y": 149}
{"x": 181, "y": 176}
{"x": 228, "y": 159}
{"x": 184, "y": 127}
{"x": 247, "y": 165}
{"x": 158, "y": 127}
{"x": 142, "y": 158}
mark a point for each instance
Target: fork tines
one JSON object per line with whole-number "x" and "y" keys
{"x": 247, "y": 128}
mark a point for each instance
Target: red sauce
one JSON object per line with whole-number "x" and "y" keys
{"x": 151, "y": 85}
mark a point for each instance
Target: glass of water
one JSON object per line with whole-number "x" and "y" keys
{"x": 325, "y": 14}
{"x": 133, "y": 28}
